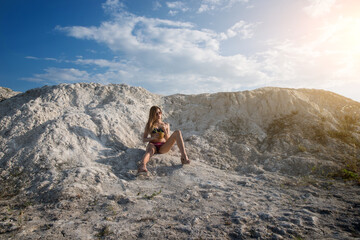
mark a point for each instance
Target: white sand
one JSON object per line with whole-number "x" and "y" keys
{"x": 69, "y": 153}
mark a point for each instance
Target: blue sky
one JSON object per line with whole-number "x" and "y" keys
{"x": 189, "y": 47}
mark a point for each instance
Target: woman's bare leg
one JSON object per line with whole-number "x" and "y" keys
{"x": 175, "y": 137}
{"x": 150, "y": 151}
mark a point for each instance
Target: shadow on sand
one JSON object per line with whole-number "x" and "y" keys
{"x": 125, "y": 165}
{"x": 123, "y": 160}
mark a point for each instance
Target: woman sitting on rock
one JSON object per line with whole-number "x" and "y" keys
{"x": 160, "y": 140}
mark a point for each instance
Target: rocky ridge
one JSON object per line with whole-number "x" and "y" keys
{"x": 266, "y": 164}
{"x": 6, "y": 93}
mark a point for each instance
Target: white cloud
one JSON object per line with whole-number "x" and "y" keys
{"x": 168, "y": 57}
{"x": 319, "y": 8}
{"x": 113, "y": 6}
{"x": 161, "y": 50}
{"x": 177, "y": 6}
{"x": 46, "y": 59}
{"x": 211, "y": 5}
{"x": 60, "y": 75}
{"x": 156, "y": 5}
{"x": 50, "y": 59}
{"x": 132, "y": 34}
{"x": 32, "y": 57}
{"x": 245, "y": 30}
{"x": 103, "y": 63}
{"x": 173, "y": 13}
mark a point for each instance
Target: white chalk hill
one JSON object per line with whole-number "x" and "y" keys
{"x": 84, "y": 139}
{"x": 6, "y": 93}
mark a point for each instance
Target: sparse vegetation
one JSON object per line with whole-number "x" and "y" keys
{"x": 149, "y": 197}
{"x": 319, "y": 133}
{"x": 347, "y": 126}
{"x": 298, "y": 238}
{"x": 105, "y": 231}
{"x": 301, "y": 148}
{"x": 346, "y": 137}
{"x": 10, "y": 188}
{"x": 306, "y": 181}
{"x": 281, "y": 124}
{"x": 111, "y": 210}
{"x": 233, "y": 126}
{"x": 20, "y": 220}
{"x": 349, "y": 174}
{"x": 348, "y": 122}
{"x": 346, "y": 132}
{"x": 280, "y": 129}
{"x": 351, "y": 169}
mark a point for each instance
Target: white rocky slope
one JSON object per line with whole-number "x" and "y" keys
{"x": 6, "y": 93}
{"x": 260, "y": 165}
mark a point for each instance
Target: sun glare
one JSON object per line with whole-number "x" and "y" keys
{"x": 356, "y": 35}
{"x": 347, "y": 36}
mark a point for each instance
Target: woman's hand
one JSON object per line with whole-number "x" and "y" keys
{"x": 156, "y": 136}
{"x": 159, "y": 135}
{"x": 149, "y": 139}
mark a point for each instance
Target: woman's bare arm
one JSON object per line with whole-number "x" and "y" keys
{"x": 146, "y": 138}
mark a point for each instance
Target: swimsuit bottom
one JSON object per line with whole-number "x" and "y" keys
{"x": 158, "y": 145}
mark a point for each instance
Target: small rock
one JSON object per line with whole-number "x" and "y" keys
{"x": 235, "y": 217}
{"x": 269, "y": 198}
{"x": 243, "y": 205}
{"x": 236, "y": 220}
{"x": 277, "y": 230}
{"x": 184, "y": 229}
{"x": 276, "y": 237}
{"x": 242, "y": 183}
{"x": 254, "y": 233}
{"x": 120, "y": 199}
{"x": 265, "y": 216}
{"x": 292, "y": 232}
{"x": 296, "y": 221}
{"x": 123, "y": 201}
{"x": 209, "y": 228}
{"x": 306, "y": 195}
{"x": 325, "y": 211}
{"x": 206, "y": 195}
{"x": 310, "y": 220}
{"x": 237, "y": 234}
{"x": 282, "y": 219}
{"x": 286, "y": 225}
{"x": 195, "y": 221}
{"x": 8, "y": 227}
{"x": 46, "y": 226}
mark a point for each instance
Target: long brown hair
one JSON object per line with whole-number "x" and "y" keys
{"x": 151, "y": 120}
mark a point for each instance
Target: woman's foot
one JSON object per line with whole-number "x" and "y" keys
{"x": 142, "y": 169}
{"x": 185, "y": 160}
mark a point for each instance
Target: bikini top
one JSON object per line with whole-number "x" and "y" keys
{"x": 155, "y": 130}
